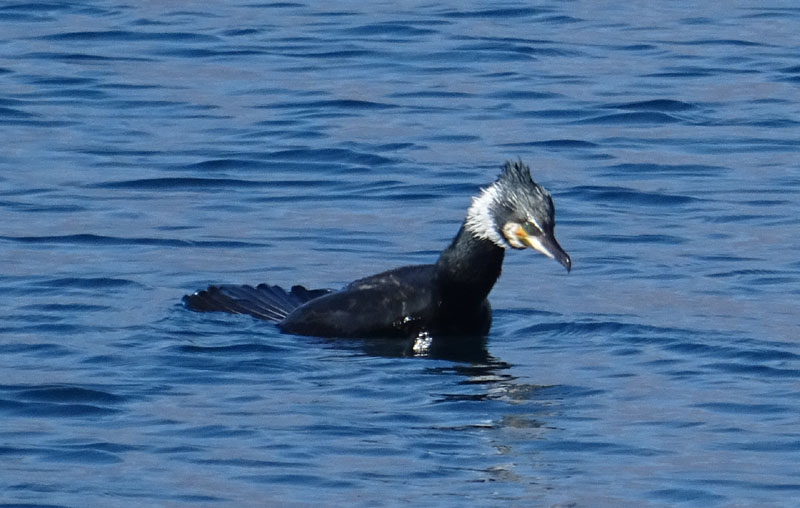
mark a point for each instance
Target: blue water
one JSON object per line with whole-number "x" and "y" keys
{"x": 152, "y": 148}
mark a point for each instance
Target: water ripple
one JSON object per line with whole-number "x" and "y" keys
{"x": 630, "y": 196}
{"x": 152, "y": 149}
{"x": 87, "y": 239}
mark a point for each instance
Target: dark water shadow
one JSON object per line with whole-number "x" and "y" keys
{"x": 471, "y": 350}
{"x": 467, "y": 358}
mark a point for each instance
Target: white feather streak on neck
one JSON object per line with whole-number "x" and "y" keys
{"x": 479, "y": 217}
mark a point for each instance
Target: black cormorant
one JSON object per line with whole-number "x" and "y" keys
{"x": 448, "y": 298}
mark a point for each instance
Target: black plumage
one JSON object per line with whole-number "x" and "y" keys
{"x": 448, "y": 298}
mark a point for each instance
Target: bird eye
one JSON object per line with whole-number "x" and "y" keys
{"x": 532, "y": 228}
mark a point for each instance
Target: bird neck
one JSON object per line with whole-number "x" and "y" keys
{"x": 467, "y": 269}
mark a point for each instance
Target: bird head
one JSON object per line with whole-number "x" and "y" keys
{"x": 516, "y": 212}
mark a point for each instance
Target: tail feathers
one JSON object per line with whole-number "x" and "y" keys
{"x": 271, "y": 303}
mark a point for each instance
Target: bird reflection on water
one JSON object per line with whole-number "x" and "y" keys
{"x": 465, "y": 357}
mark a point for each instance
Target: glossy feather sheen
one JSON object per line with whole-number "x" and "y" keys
{"x": 397, "y": 303}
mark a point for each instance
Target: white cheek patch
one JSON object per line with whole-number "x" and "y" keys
{"x": 513, "y": 235}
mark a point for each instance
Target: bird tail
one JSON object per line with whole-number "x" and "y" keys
{"x": 271, "y": 303}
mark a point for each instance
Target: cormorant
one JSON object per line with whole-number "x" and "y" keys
{"x": 447, "y": 298}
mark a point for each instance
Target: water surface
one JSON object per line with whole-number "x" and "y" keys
{"x": 151, "y": 149}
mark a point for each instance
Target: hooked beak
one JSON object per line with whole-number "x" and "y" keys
{"x": 547, "y": 245}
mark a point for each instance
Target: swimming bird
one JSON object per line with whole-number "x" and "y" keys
{"x": 446, "y": 298}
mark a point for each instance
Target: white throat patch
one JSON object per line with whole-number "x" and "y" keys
{"x": 479, "y": 218}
